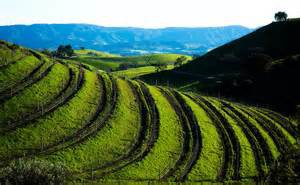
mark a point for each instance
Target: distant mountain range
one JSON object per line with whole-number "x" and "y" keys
{"x": 122, "y": 40}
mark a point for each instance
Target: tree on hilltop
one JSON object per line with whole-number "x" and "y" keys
{"x": 64, "y": 51}
{"x": 281, "y": 16}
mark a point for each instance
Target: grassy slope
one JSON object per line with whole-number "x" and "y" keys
{"x": 56, "y": 125}
{"x": 211, "y": 157}
{"x": 166, "y": 150}
{"x": 8, "y": 55}
{"x": 120, "y": 131}
{"x": 88, "y": 52}
{"x": 114, "y": 140}
{"x": 248, "y": 168}
{"x": 16, "y": 72}
{"x": 106, "y": 62}
{"x": 266, "y": 137}
{"x": 136, "y": 72}
{"x": 41, "y": 92}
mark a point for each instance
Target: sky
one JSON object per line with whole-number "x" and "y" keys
{"x": 147, "y": 13}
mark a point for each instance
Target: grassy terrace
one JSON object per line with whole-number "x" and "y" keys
{"x": 247, "y": 160}
{"x": 36, "y": 96}
{"x": 111, "y": 142}
{"x": 107, "y": 129}
{"x": 271, "y": 145}
{"x": 165, "y": 151}
{"x": 211, "y": 159}
{"x": 56, "y": 125}
{"x": 13, "y": 74}
{"x": 9, "y": 55}
{"x": 285, "y": 133}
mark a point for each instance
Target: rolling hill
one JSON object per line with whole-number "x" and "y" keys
{"x": 90, "y": 126}
{"x": 227, "y": 69}
{"x": 124, "y": 41}
{"x": 109, "y": 62}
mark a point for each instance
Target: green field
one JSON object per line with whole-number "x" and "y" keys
{"x": 138, "y": 65}
{"x": 99, "y": 127}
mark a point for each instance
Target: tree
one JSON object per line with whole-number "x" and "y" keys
{"x": 160, "y": 66}
{"x": 179, "y": 61}
{"x": 69, "y": 50}
{"x": 82, "y": 48}
{"x": 281, "y": 16}
{"x": 47, "y": 52}
{"x": 64, "y": 51}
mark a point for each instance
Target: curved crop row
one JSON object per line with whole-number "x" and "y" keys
{"x": 252, "y": 158}
{"x": 165, "y": 150}
{"x": 284, "y": 122}
{"x": 9, "y": 55}
{"x": 34, "y": 98}
{"x": 142, "y": 141}
{"x": 74, "y": 83}
{"x": 90, "y": 127}
{"x": 191, "y": 139}
{"x": 195, "y": 134}
{"x": 269, "y": 149}
{"x": 28, "y": 81}
{"x": 54, "y": 126}
{"x": 232, "y": 146}
{"x": 291, "y": 139}
{"x": 273, "y": 131}
{"x": 117, "y": 136}
{"x": 210, "y": 160}
{"x": 18, "y": 72}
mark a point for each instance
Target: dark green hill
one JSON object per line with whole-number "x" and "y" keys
{"x": 278, "y": 40}
{"x": 223, "y": 69}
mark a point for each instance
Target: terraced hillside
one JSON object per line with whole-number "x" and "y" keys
{"x": 104, "y": 128}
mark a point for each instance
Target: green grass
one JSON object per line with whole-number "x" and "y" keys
{"x": 91, "y": 53}
{"x": 56, "y": 125}
{"x": 136, "y": 72}
{"x": 40, "y": 93}
{"x": 108, "y": 63}
{"x": 267, "y": 138}
{"x": 287, "y": 135}
{"x": 211, "y": 156}
{"x": 113, "y": 141}
{"x": 248, "y": 167}
{"x": 16, "y": 72}
{"x": 165, "y": 151}
{"x": 7, "y": 55}
{"x": 98, "y": 63}
{"x": 103, "y": 143}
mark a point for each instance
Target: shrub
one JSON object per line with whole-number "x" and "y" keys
{"x": 33, "y": 172}
{"x": 286, "y": 169}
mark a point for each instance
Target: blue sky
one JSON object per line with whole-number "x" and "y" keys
{"x": 146, "y": 13}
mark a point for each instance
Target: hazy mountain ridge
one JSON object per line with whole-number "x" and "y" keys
{"x": 122, "y": 40}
